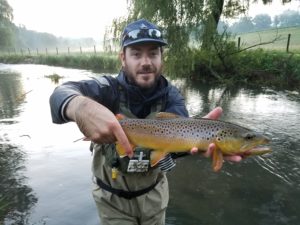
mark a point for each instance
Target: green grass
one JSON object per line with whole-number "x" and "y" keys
{"x": 99, "y": 62}
{"x": 249, "y": 39}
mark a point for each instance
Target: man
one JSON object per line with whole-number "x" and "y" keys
{"x": 125, "y": 193}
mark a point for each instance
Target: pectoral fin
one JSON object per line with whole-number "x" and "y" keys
{"x": 217, "y": 160}
{"x": 156, "y": 156}
{"x": 121, "y": 151}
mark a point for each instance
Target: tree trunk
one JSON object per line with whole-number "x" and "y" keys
{"x": 215, "y": 9}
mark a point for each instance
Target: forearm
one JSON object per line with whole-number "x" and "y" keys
{"x": 93, "y": 119}
{"x": 75, "y": 105}
{"x": 62, "y": 95}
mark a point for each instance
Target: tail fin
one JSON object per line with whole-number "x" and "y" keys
{"x": 156, "y": 156}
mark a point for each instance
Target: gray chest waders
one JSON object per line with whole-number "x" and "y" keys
{"x": 138, "y": 164}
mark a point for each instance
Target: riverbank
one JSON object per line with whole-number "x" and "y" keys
{"x": 259, "y": 67}
{"x": 275, "y": 69}
{"x": 103, "y": 63}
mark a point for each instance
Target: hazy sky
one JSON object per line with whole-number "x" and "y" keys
{"x": 88, "y": 18}
{"x": 67, "y": 18}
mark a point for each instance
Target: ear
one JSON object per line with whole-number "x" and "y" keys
{"x": 122, "y": 57}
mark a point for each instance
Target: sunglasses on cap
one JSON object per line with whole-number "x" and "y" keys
{"x": 142, "y": 33}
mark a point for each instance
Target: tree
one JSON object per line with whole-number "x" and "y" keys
{"x": 184, "y": 16}
{"x": 6, "y": 26}
{"x": 288, "y": 18}
{"x": 6, "y": 12}
{"x": 184, "y": 20}
{"x": 262, "y": 22}
{"x": 243, "y": 25}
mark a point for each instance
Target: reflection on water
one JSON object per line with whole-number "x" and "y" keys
{"x": 43, "y": 159}
{"x": 10, "y": 94}
{"x": 259, "y": 190}
{"x": 16, "y": 198}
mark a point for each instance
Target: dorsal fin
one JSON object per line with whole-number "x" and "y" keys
{"x": 166, "y": 115}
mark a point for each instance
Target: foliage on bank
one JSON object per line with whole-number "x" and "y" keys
{"x": 105, "y": 63}
{"x": 253, "y": 67}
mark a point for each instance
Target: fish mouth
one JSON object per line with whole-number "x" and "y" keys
{"x": 258, "y": 150}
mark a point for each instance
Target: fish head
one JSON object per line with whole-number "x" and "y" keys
{"x": 242, "y": 141}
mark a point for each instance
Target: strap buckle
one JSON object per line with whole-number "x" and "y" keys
{"x": 139, "y": 162}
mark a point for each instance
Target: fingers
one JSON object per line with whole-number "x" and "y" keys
{"x": 215, "y": 113}
{"x": 194, "y": 150}
{"x": 233, "y": 158}
{"x": 210, "y": 150}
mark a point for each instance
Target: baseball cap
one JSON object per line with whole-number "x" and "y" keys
{"x": 141, "y": 31}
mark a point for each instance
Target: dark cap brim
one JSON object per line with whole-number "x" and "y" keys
{"x": 145, "y": 40}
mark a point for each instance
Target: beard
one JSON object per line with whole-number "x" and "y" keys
{"x": 134, "y": 79}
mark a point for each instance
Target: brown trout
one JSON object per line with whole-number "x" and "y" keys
{"x": 170, "y": 133}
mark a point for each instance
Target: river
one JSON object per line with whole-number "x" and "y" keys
{"x": 46, "y": 177}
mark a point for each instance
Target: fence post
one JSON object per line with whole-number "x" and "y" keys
{"x": 46, "y": 51}
{"x": 288, "y": 43}
{"x": 95, "y": 49}
{"x": 239, "y": 43}
{"x": 80, "y": 50}
{"x": 56, "y": 51}
{"x": 69, "y": 50}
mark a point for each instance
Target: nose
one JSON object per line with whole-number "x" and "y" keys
{"x": 145, "y": 61}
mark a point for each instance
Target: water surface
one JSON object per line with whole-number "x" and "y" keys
{"x": 46, "y": 178}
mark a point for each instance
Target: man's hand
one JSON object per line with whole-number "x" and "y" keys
{"x": 215, "y": 114}
{"x": 97, "y": 123}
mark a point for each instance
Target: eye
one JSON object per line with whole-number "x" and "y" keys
{"x": 249, "y": 136}
{"x": 135, "y": 53}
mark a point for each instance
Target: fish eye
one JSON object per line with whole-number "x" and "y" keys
{"x": 249, "y": 136}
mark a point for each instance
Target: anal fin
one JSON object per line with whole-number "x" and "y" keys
{"x": 156, "y": 156}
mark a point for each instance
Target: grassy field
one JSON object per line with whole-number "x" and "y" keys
{"x": 253, "y": 38}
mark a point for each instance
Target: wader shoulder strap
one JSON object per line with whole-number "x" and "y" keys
{"x": 122, "y": 193}
{"x": 124, "y": 104}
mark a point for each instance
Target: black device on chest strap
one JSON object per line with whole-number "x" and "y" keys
{"x": 122, "y": 193}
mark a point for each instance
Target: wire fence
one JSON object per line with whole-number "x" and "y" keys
{"x": 282, "y": 41}
{"x": 93, "y": 50}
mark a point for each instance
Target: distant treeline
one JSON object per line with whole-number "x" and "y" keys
{"x": 288, "y": 18}
{"x": 29, "y": 39}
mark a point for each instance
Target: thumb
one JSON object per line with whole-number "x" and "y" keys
{"x": 215, "y": 113}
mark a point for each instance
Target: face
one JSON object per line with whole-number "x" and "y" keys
{"x": 142, "y": 63}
